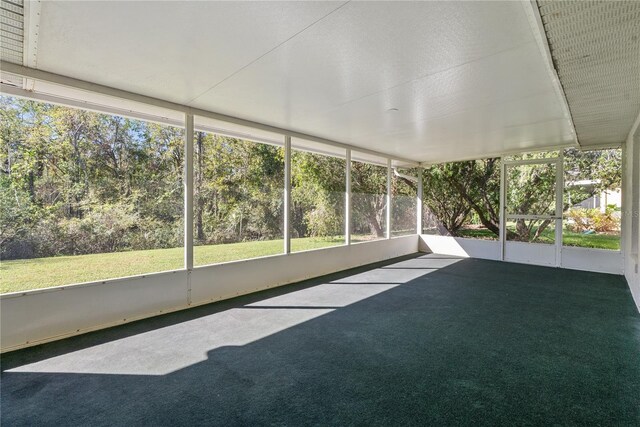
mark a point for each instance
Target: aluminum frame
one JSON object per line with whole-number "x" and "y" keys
{"x": 388, "y": 219}
{"x": 557, "y": 217}
{"x": 419, "y": 195}
{"x": 347, "y": 198}
{"x": 188, "y": 192}
{"x": 287, "y": 195}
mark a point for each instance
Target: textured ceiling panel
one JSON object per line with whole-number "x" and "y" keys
{"x": 173, "y": 50}
{"x": 430, "y": 81}
{"x": 424, "y": 80}
{"x": 596, "y": 50}
{"x": 11, "y": 30}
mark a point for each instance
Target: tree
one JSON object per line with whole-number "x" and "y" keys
{"x": 80, "y": 182}
{"x": 238, "y": 188}
{"x": 453, "y": 191}
{"x": 74, "y": 181}
{"x": 318, "y": 184}
{"x": 368, "y": 197}
{"x": 403, "y": 201}
{"x": 441, "y": 197}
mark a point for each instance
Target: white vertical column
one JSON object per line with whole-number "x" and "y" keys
{"x": 502, "y": 237}
{"x": 559, "y": 206}
{"x": 419, "y": 209}
{"x": 388, "y": 198}
{"x": 188, "y": 192}
{"x": 287, "y": 194}
{"x": 623, "y": 202}
{"x": 347, "y": 199}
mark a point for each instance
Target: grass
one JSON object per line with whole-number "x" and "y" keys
{"x": 569, "y": 238}
{"x": 478, "y": 233}
{"x": 21, "y": 275}
{"x": 596, "y": 241}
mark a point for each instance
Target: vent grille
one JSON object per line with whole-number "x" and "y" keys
{"x": 12, "y": 30}
{"x": 595, "y": 46}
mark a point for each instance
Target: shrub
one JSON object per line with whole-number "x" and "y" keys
{"x": 592, "y": 219}
{"x": 324, "y": 221}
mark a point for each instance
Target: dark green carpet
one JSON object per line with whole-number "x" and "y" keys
{"x": 421, "y": 341}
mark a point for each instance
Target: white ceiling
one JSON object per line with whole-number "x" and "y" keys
{"x": 469, "y": 79}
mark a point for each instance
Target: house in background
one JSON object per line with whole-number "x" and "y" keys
{"x": 600, "y": 200}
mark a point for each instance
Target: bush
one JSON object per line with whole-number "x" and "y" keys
{"x": 582, "y": 220}
{"x": 324, "y": 221}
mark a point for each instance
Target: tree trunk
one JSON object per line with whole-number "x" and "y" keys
{"x": 442, "y": 230}
{"x": 490, "y": 225}
{"x": 200, "y": 202}
{"x": 375, "y": 227}
{"x": 522, "y": 230}
{"x": 540, "y": 229}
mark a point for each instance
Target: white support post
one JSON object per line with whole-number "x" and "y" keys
{"x": 559, "y": 206}
{"x": 287, "y": 194}
{"x": 502, "y": 237}
{"x": 624, "y": 197}
{"x": 419, "y": 209}
{"x": 347, "y": 199}
{"x": 188, "y": 193}
{"x": 388, "y": 198}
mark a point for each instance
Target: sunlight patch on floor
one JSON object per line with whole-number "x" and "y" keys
{"x": 171, "y": 348}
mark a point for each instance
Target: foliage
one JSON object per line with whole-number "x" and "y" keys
{"x": 531, "y": 190}
{"x": 453, "y": 191}
{"x": 403, "y": 202}
{"x": 442, "y": 199}
{"x": 463, "y": 194}
{"x": 237, "y": 190}
{"x": 582, "y": 220}
{"x": 368, "y": 198}
{"x": 76, "y": 182}
{"x": 318, "y": 185}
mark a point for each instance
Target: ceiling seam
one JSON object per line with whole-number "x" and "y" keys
{"x": 484, "y": 105}
{"x": 424, "y": 76}
{"x": 266, "y": 53}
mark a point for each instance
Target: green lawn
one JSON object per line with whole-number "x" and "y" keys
{"x": 478, "y": 233}
{"x": 569, "y": 238}
{"x": 597, "y": 241}
{"x": 20, "y": 275}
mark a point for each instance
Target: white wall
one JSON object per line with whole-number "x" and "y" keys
{"x": 459, "y": 246}
{"x": 597, "y": 260}
{"x": 32, "y": 317}
{"x": 630, "y": 217}
{"x": 227, "y": 280}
